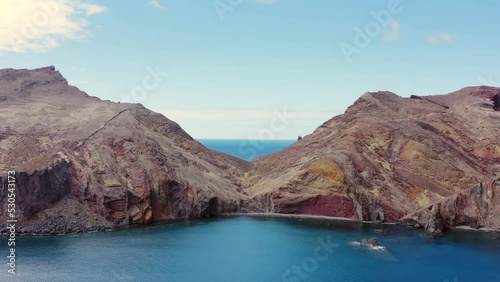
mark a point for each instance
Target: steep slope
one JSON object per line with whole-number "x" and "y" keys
{"x": 85, "y": 164}
{"x": 433, "y": 161}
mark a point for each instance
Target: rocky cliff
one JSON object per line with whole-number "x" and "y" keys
{"x": 432, "y": 161}
{"x": 84, "y": 164}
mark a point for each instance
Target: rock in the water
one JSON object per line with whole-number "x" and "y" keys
{"x": 368, "y": 243}
{"x": 372, "y": 242}
{"x": 380, "y": 231}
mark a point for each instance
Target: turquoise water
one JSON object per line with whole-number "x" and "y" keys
{"x": 246, "y": 149}
{"x": 253, "y": 249}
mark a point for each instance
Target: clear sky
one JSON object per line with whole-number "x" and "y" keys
{"x": 254, "y": 68}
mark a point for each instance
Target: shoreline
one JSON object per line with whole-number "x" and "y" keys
{"x": 333, "y": 219}
{"x": 472, "y": 229}
{"x": 262, "y": 215}
{"x": 306, "y": 216}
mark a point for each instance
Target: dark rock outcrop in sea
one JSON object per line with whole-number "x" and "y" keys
{"x": 83, "y": 164}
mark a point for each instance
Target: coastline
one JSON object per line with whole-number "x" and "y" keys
{"x": 333, "y": 219}
{"x": 305, "y": 216}
{"x": 471, "y": 229}
{"x": 257, "y": 215}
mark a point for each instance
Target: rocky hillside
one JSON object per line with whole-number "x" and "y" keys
{"x": 84, "y": 164}
{"x": 432, "y": 161}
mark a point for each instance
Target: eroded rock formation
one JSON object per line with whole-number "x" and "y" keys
{"x": 85, "y": 164}
{"x": 427, "y": 160}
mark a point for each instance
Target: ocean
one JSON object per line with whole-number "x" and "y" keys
{"x": 257, "y": 249}
{"x": 246, "y": 149}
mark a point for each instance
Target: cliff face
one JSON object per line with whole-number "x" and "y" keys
{"x": 432, "y": 161}
{"x": 85, "y": 164}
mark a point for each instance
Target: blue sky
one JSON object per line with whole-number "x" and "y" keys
{"x": 254, "y": 69}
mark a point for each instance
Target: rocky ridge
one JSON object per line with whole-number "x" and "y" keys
{"x": 84, "y": 164}
{"x": 430, "y": 161}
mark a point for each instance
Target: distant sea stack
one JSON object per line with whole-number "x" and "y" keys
{"x": 82, "y": 164}
{"x": 429, "y": 161}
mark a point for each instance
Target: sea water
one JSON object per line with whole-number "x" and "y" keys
{"x": 257, "y": 249}
{"x": 246, "y": 149}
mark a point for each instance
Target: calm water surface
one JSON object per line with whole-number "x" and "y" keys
{"x": 257, "y": 249}
{"x": 246, "y": 149}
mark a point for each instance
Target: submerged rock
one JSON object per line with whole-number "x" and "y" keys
{"x": 371, "y": 247}
{"x": 372, "y": 242}
{"x": 380, "y": 231}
